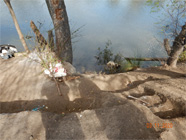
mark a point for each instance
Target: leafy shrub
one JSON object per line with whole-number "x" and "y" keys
{"x": 182, "y": 57}
{"x": 106, "y": 55}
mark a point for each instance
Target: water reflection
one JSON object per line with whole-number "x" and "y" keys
{"x": 127, "y": 23}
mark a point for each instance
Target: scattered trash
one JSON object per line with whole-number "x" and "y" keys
{"x": 113, "y": 65}
{"x": 7, "y": 51}
{"x": 57, "y": 70}
{"x": 38, "y": 108}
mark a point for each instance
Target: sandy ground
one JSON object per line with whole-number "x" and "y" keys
{"x": 143, "y": 104}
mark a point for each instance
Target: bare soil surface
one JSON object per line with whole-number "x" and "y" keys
{"x": 143, "y": 104}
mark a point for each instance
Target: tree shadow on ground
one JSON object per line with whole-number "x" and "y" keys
{"x": 94, "y": 115}
{"x": 104, "y": 115}
{"x": 83, "y": 112}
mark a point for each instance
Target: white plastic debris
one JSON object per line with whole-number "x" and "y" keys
{"x": 113, "y": 65}
{"x": 57, "y": 70}
{"x": 7, "y": 51}
{"x": 4, "y": 51}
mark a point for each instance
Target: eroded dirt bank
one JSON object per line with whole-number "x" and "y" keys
{"x": 119, "y": 106}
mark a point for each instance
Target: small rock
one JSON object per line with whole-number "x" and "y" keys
{"x": 70, "y": 69}
{"x": 31, "y": 137}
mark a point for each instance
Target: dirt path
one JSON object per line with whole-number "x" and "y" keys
{"x": 136, "y": 105}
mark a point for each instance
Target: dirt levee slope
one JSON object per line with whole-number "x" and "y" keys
{"x": 118, "y": 106}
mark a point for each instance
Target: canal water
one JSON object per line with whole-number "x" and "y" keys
{"x": 128, "y": 24}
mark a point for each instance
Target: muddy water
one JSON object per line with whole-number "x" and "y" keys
{"x": 128, "y": 24}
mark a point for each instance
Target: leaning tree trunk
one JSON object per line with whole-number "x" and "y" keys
{"x": 16, "y": 25}
{"x": 178, "y": 46}
{"x": 40, "y": 39}
{"x": 59, "y": 17}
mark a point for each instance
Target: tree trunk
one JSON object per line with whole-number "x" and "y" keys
{"x": 7, "y": 2}
{"x": 59, "y": 17}
{"x": 41, "y": 40}
{"x": 51, "y": 40}
{"x": 178, "y": 47}
{"x": 167, "y": 46}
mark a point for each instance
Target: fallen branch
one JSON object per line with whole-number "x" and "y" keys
{"x": 145, "y": 59}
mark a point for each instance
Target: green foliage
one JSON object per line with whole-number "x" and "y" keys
{"x": 106, "y": 55}
{"x": 46, "y": 56}
{"x": 182, "y": 57}
{"x": 173, "y": 15}
{"x": 155, "y": 4}
{"x": 131, "y": 65}
{"x": 48, "y": 60}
